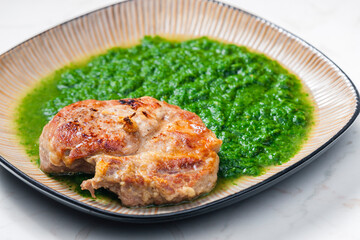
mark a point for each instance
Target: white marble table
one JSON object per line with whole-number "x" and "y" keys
{"x": 321, "y": 201}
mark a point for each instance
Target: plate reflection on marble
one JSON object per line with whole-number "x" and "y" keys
{"x": 334, "y": 94}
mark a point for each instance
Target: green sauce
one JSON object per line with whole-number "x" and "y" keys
{"x": 259, "y": 109}
{"x": 73, "y": 182}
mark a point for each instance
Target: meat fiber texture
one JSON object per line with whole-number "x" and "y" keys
{"x": 144, "y": 150}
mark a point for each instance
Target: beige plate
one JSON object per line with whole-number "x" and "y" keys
{"x": 334, "y": 94}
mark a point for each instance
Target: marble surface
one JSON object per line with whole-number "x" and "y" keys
{"x": 322, "y": 201}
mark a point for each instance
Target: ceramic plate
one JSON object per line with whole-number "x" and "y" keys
{"x": 334, "y": 94}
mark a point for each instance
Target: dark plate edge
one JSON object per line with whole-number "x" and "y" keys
{"x": 226, "y": 201}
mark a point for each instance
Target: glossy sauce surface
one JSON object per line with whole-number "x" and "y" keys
{"x": 248, "y": 100}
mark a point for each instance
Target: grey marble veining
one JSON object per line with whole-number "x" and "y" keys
{"x": 322, "y": 201}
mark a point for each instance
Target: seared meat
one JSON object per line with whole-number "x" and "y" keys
{"x": 144, "y": 150}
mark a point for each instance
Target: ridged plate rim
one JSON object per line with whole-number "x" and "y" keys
{"x": 225, "y": 201}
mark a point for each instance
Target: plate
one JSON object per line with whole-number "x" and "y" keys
{"x": 335, "y": 96}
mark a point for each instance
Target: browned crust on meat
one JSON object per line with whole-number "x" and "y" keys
{"x": 144, "y": 150}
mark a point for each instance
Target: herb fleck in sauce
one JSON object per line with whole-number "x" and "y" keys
{"x": 259, "y": 109}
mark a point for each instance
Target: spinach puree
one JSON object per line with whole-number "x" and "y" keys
{"x": 251, "y": 102}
